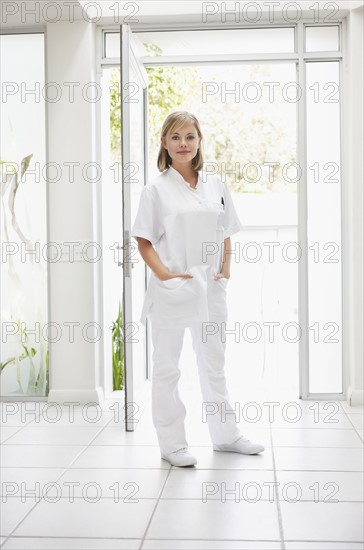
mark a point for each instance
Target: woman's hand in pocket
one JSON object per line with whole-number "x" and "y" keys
{"x": 222, "y": 275}
{"x": 166, "y": 275}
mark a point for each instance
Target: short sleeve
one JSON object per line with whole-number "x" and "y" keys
{"x": 232, "y": 223}
{"x": 147, "y": 223}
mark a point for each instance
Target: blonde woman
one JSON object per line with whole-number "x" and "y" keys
{"x": 183, "y": 227}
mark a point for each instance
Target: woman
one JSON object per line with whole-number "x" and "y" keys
{"x": 188, "y": 216}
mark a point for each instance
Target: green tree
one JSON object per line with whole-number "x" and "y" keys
{"x": 169, "y": 88}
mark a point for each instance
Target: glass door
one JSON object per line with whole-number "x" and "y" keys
{"x": 133, "y": 149}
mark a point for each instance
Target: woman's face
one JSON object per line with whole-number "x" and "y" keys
{"x": 182, "y": 144}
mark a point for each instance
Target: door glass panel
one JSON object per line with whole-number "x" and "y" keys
{"x": 112, "y": 223}
{"x": 136, "y": 172}
{"x": 322, "y": 39}
{"x": 133, "y": 96}
{"x": 324, "y": 227}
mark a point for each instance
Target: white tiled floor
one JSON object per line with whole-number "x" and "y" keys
{"x": 100, "y": 487}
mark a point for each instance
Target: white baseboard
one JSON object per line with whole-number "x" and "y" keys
{"x": 77, "y": 396}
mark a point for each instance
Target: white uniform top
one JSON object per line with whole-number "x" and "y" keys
{"x": 187, "y": 226}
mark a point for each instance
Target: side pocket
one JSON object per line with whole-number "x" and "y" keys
{"x": 171, "y": 284}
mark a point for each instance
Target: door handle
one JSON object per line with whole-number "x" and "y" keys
{"x": 126, "y": 263}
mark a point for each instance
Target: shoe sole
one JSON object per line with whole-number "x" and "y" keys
{"x": 179, "y": 465}
{"x": 232, "y": 451}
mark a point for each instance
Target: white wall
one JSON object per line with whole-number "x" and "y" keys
{"x": 74, "y": 365}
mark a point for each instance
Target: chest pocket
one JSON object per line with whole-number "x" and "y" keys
{"x": 203, "y": 230}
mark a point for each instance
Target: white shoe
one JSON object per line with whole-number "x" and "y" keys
{"x": 181, "y": 457}
{"x": 241, "y": 445}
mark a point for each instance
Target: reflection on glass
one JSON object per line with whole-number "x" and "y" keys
{"x": 24, "y": 343}
{"x": 136, "y": 185}
{"x": 322, "y": 39}
{"x": 324, "y": 227}
{"x": 112, "y": 223}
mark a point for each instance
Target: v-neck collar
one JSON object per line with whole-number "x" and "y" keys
{"x": 179, "y": 176}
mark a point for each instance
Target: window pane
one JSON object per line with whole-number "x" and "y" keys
{"x": 112, "y": 44}
{"x": 211, "y": 42}
{"x": 218, "y": 42}
{"x": 24, "y": 352}
{"x": 324, "y": 227}
{"x": 322, "y": 39}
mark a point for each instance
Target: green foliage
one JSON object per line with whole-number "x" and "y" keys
{"x": 115, "y": 113}
{"x": 168, "y": 89}
{"x": 237, "y": 134}
{"x": 118, "y": 352}
{"x": 35, "y": 384}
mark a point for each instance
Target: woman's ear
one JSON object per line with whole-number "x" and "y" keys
{"x": 163, "y": 141}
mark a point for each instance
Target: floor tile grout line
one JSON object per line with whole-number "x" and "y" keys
{"x": 279, "y": 512}
{"x": 216, "y": 499}
{"x": 42, "y": 499}
{"x": 361, "y": 437}
{"x": 86, "y": 446}
{"x": 68, "y": 467}
{"x": 188, "y": 539}
{"x": 154, "y": 509}
{"x": 165, "y": 469}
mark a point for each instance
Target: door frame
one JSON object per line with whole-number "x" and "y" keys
{"x": 299, "y": 56}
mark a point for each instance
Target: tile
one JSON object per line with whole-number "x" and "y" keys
{"x": 109, "y": 456}
{"x": 160, "y": 544}
{"x": 296, "y": 458}
{"x": 357, "y": 409}
{"x": 209, "y": 459}
{"x": 217, "y": 484}
{"x": 311, "y": 420}
{"x": 12, "y": 511}
{"x": 22, "y": 481}
{"x": 315, "y": 438}
{"x": 214, "y": 520}
{"x": 323, "y": 486}
{"x": 54, "y": 435}
{"x": 44, "y": 543}
{"x": 357, "y": 420}
{"x": 86, "y": 415}
{"x": 20, "y": 413}
{"x": 111, "y": 482}
{"x": 117, "y": 436}
{"x": 82, "y": 518}
{"x": 290, "y": 414}
{"x": 39, "y": 456}
{"x": 340, "y": 521}
{"x": 304, "y": 545}
{"x": 287, "y": 404}
{"x": 6, "y": 432}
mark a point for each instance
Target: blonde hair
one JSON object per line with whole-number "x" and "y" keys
{"x": 173, "y": 122}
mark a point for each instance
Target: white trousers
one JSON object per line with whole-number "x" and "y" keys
{"x": 168, "y": 410}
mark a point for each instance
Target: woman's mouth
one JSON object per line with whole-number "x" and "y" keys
{"x": 183, "y": 152}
